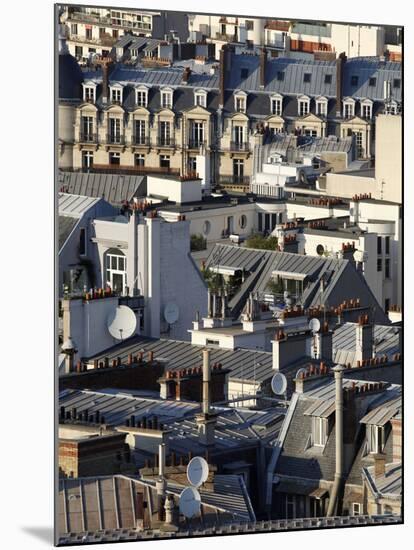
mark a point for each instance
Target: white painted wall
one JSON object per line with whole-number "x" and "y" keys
{"x": 174, "y": 189}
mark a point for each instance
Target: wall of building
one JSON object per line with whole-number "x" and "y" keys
{"x": 388, "y": 157}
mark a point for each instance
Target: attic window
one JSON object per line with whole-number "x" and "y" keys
{"x": 200, "y": 98}
{"x": 240, "y": 103}
{"x": 280, "y": 76}
{"x": 166, "y": 99}
{"x": 244, "y": 73}
{"x": 328, "y": 79}
{"x": 142, "y": 97}
{"x": 116, "y": 95}
{"x": 373, "y": 81}
{"x": 375, "y": 438}
{"x": 89, "y": 93}
{"x": 319, "y": 431}
{"x": 307, "y": 77}
{"x": 397, "y": 82}
{"x": 354, "y": 80}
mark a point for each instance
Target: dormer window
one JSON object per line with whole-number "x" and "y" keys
{"x": 89, "y": 92}
{"x": 366, "y": 109}
{"x": 141, "y": 97}
{"x": 276, "y": 105}
{"x": 116, "y": 94}
{"x": 349, "y": 108}
{"x": 303, "y": 106}
{"x": 166, "y": 98}
{"x": 321, "y": 106}
{"x": 319, "y": 431}
{"x": 240, "y": 102}
{"x": 200, "y": 98}
{"x": 375, "y": 438}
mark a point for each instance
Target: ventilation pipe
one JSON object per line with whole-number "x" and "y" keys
{"x": 339, "y": 436}
{"x": 206, "y": 381}
{"x": 161, "y": 483}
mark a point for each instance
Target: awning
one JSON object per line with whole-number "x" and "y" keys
{"x": 322, "y": 409}
{"x": 319, "y": 493}
{"x": 289, "y": 275}
{"x": 223, "y": 270}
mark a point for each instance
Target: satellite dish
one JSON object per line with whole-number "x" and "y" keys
{"x": 122, "y": 322}
{"x": 286, "y": 295}
{"x": 279, "y": 383}
{"x": 197, "y": 471}
{"x": 190, "y": 502}
{"x": 171, "y": 313}
{"x": 360, "y": 256}
{"x": 314, "y": 325}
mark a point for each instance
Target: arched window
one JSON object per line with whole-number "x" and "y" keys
{"x": 115, "y": 269}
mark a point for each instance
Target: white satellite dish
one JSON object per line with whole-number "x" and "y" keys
{"x": 171, "y": 313}
{"x": 286, "y": 294}
{"x": 279, "y": 383}
{"x": 122, "y": 322}
{"x": 190, "y": 502}
{"x": 314, "y": 325}
{"x": 360, "y": 256}
{"x": 197, "y": 471}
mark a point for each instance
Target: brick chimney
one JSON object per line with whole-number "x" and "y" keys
{"x": 396, "y": 439}
{"x": 105, "y": 63}
{"x": 263, "y": 59}
{"x": 379, "y": 465}
{"x": 186, "y": 75}
{"x": 340, "y": 66}
{"x": 364, "y": 338}
{"x": 225, "y": 59}
{"x": 287, "y": 348}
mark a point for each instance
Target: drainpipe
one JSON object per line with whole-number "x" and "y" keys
{"x": 206, "y": 381}
{"x": 339, "y": 429}
{"x": 161, "y": 483}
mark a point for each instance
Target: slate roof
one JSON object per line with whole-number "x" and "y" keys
{"x": 166, "y": 77}
{"x": 386, "y": 342}
{"x": 66, "y": 225}
{"x": 314, "y": 464}
{"x": 74, "y": 205}
{"x": 90, "y": 504}
{"x": 366, "y": 68}
{"x": 341, "y": 280}
{"x": 388, "y": 485}
{"x": 114, "y": 188}
{"x": 182, "y": 355}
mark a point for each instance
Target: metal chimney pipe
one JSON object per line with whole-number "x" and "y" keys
{"x": 339, "y": 436}
{"x": 161, "y": 462}
{"x": 206, "y": 381}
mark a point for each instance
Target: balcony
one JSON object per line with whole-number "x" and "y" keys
{"x": 105, "y": 40}
{"x": 88, "y": 137}
{"x": 132, "y": 170}
{"x": 196, "y": 143}
{"x": 143, "y": 141}
{"x": 225, "y": 37}
{"x": 233, "y": 180}
{"x": 165, "y": 142}
{"x": 239, "y": 146}
{"x": 115, "y": 139}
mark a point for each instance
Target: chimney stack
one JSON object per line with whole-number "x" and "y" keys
{"x": 186, "y": 75}
{"x": 379, "y": 465}
{"x": 263, "y": 60}
{"x": 105, "y": 62}
{"x": 396, "y": 439}
{"x": 340, "y": 67}
{"x": 364, "y": 339}
{"x": 339, "y": 434}
{"x": 206, "y": 381}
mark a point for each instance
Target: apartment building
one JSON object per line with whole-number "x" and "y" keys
{"x": 163, "y": 118}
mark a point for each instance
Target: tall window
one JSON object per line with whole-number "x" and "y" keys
{"x": 164, "y": 161}
{"x": 87, "y": 159}
{"x": 140, "y": 132}
{"x": 197, "y": 134}
{"x": 165, "y": 133}
{"x": 276, "y": 106}
{"x": 74, "y": 29}
{"x": 319, "y": 431}
{"x": 115, "y": 130}
{"x": 114, "y": 159}
{"x": 192, "y": 164}
{"x": 201, "y": 99}
{"x": 375, "y": 438}
{"x": 115, "y": 270}
{"x": 387, "y": 268}
{"x": 379, "y": 245}
{"x": 240, "y": 104}
{"x": 321, "y": 107}
{"x": 116, "y": 95}
{"x": 141, "y": 98}
{"x": 238, "y": 134}
{"x": 348, "y": 111}
{"x": 87, "y": 128}
{"x": 303, "y": 107}
{"x": 89, "y": 93}
{"x": 366, "y": 111}
{"x": 82, "y": 242}
{"x": 358, "y": 142}
{"x": 387, "y": 245}
{"x": 238, "y": 170}
{"x": 88, "y": 33}
{"x": 166, "y": 100}
{"x": 139, "y": 159}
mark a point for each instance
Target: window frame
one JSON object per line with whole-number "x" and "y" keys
{"x": 141, "y": 93}
{"x": 303, "y": 101}
{"x": 276, "y": 105}
{"x": 166, "y": 99}
{"x": 200, "y": 94}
